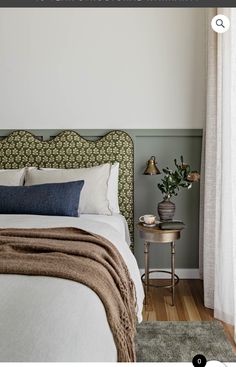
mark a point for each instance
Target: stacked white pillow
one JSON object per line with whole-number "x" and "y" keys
{"x": 100, "y": 192}
{"x": 112, "y": 190}
{"x": 12, "y": 177}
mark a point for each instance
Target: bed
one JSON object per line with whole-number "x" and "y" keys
{"x": 49, "y": 319}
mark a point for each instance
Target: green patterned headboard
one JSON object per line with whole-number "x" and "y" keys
{"x": 70, "y": 150}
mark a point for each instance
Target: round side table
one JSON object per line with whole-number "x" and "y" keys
{"x": 156, "y": 235}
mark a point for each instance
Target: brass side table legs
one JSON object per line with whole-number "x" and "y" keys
{"x": 145, "y": 276}
{"x": 155, "y": 235}
{"x": 146, "y": 259}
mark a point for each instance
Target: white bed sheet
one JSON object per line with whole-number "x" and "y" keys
{"x": 45, "y": 319}
{"x": 117, "y": 221}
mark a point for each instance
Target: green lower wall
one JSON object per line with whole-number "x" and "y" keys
{"x": 166, "y": 148}
{"x": 166, "y": 145}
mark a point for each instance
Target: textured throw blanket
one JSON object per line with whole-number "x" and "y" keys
{"x": 83, "y": 257}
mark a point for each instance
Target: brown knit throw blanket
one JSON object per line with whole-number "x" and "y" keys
{"x": 83, "y": 257}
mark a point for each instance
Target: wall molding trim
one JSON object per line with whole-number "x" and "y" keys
{"x": 182, "y": 274}
{"x": 134, "y": 133}
{"x": 139, "y": 133}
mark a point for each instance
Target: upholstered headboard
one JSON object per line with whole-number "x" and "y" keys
{"x": 70, "y": 150}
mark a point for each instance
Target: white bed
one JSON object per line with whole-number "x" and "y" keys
{"x": 45, "y": 319}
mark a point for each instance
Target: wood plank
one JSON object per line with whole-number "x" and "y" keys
{"x": 171, "y": 311}
{"x": 197, "y": 294}
{"x": 185, "y": 289}
{"x": 159, "y": 304}
{"x": 150, "y": 316}
{"x": 190, "y": 306}
{"x": 182, "y": 313}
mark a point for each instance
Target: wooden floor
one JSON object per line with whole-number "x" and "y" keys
{"x": 188, "y": 305}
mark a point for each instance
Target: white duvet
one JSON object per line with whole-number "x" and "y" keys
{"x": 44, "y": 319}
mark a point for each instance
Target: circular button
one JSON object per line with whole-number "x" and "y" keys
{"x": 220, "y": 23}
{"x": 199, "y": 360}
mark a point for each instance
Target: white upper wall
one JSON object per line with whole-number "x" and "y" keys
{"x": 102, "y": 68}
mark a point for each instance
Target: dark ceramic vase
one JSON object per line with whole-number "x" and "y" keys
{"x": 166, "y": 210}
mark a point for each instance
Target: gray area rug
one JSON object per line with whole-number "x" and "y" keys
{"x": 180, "y": 341}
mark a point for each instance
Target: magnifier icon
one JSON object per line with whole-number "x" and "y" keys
{"x": 220, "y": 23}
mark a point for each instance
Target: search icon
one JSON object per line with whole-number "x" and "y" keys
{"x": 220, "y": 23}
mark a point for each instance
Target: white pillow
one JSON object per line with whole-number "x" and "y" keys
{"x": 93, "y": 199}
{"x": 112, "y": 191}
{"x": 12, "y": 177}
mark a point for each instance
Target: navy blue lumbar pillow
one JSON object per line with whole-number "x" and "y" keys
{"x": 47, "y": 199}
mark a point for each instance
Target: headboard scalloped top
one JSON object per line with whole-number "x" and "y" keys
{"x": 69, "y": 150}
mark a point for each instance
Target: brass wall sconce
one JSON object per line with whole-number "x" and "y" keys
{"x": 151, "y": 168}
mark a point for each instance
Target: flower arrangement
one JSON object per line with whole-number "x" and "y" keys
{"x": 182, "y": 177}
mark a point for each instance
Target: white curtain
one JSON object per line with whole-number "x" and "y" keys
{"x": 218, "y": 186}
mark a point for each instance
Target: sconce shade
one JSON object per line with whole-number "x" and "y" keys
{"x": 151, "y": 168}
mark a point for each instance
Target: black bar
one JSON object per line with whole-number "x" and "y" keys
{"x": 116, "y": 3}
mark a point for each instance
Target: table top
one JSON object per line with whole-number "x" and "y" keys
{"x": 157, "y": 235}
{"x": 141, "y": 227}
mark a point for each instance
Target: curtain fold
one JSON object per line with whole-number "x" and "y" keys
{"x": 218, "y": 199}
